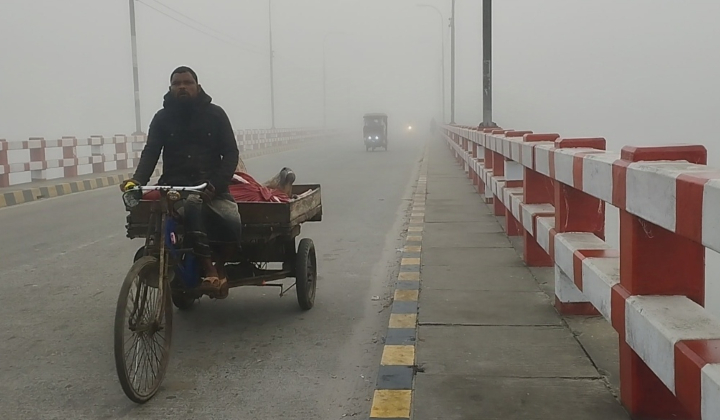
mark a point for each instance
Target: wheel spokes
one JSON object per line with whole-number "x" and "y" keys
{"x": 145, "y": 342}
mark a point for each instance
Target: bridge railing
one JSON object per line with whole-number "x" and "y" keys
{"x": 38, "y": 159}
{"x": 553, "y": 191}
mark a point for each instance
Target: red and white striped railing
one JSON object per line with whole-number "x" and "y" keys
{"x": 38, "y": 159}
{"x": 553, "y": 192}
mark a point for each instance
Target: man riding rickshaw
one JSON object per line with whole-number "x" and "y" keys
{"x": 198, "y": 145}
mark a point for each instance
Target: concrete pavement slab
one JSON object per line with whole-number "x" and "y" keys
{"x": 449, "y": 238}
{"x": 462, "y": 229}
{"x": 463, "y": 397}
{"x": 449, "y": 187}
{"x": 600, "y": 341}
{"x": 475, "y": 257}
{"x": 503, "y": 351}
{"x": 487, "y": 308}
{"x": 469, "y": 279}
{"x": 472, "y": 201}
{"x": 451, "y": 212}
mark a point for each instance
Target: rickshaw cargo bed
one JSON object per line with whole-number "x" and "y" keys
{"x": 260, "y": 219}
{"x": 306, "y": 208}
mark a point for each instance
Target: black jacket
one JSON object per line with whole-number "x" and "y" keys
{"x": 197, "y": 144}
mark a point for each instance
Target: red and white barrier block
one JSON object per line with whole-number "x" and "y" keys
{"x": 38, "y": 159}
{"x": 554, "y": 191}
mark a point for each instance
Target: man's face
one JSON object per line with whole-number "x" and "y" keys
{"x": 184, "y": 86}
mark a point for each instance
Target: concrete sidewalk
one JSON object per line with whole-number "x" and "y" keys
{"x": 490, "y": 343}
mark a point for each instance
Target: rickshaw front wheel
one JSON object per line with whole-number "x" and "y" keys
{"x": 143, "y": 331}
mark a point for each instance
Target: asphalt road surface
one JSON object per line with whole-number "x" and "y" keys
{"x": 252, "y": 356}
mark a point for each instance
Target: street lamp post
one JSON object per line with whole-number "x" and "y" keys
{"x": 452, "y": 65}
{"x": 487, "y": 64}
{"x": 442, "y": 51}
{"x": 136, "y": 83}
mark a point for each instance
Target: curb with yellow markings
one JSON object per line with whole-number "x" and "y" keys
{"x": 34, "y": 194}
{"x": 392, "y": 399}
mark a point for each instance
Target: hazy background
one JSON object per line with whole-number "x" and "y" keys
{"x": 637, "y": 72}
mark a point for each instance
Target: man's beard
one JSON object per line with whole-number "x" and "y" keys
{"x": 184, "y": 103}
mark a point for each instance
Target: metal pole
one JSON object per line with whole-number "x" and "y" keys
{"x": 272, "y": 74}
{"x": 136, "y": 83}
{"x": 487, "y": 64}
{"x": 452, "y": 65}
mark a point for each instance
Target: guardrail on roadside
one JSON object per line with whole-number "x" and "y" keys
{"x": 38, "y": 159}
{"x": 553, "y": 192}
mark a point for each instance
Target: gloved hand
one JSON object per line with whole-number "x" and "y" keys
{"x": 208, "y": 193}
{"x": 128, "y": 184}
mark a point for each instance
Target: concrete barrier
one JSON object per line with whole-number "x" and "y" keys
{"x": 38, "y": 159}
{"x": 553, "y": 191}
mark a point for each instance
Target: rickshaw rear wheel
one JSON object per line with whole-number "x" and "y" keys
{"x": 142, "y": 358}
{"x": 306, "y": 274}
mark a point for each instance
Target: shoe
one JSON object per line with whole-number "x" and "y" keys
{"x": 287, "y": 176}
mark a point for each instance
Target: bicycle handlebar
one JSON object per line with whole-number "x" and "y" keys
{"x": 169, "y": 187}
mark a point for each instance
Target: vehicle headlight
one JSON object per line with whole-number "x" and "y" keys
{"x": 377, "y": 138}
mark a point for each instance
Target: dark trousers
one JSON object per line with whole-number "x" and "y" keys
{"x": 218, "y": 220}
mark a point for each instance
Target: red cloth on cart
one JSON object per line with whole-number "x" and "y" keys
{"x": 243, "y": 187}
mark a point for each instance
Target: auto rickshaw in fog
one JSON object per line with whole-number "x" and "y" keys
{"x": 375, "y": 131}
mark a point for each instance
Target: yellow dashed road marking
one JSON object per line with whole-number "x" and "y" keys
{"x": 410, "y": 261}
{"x": 398, "y": 356}
{"x": 391, "y": 403}
{"x": 412, "y": 249}
{"x": 414, "y": 239}
{"x": 406, "y": 295}
{"x": 403, "y": 320}
{"x": 415, "y": 229}
{"x": 409, "y": 276}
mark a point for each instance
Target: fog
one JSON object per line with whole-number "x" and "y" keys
{"x": 641, "y": 72}
{"x": 66, "y": 65}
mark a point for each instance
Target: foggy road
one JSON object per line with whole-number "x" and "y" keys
{"x": 252, "y": 356}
